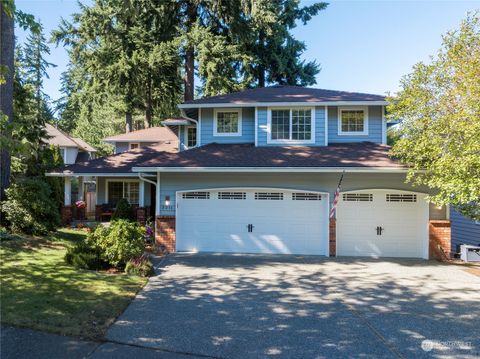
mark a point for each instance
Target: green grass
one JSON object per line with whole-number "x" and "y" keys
{"x": 39, "y": 290}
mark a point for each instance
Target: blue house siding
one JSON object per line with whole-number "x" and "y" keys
{"x": 464, "y": 231}
{"x": 319, "y": 133}
{"x": 374, "y": 127}
{"x": 248, "y": 128}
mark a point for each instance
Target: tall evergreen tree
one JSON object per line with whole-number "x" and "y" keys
{"x": 7, "y": 41}
{"x": 36, "y": 65}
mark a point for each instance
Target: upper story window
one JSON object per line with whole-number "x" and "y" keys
{"x": 353, "y": 121}
{"x": 191, "y": 136}
{"x": 227, "y": 122}
{"x": 291, "y": 125}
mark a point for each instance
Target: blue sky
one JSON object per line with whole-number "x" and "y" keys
{"x": 364, "y": 46}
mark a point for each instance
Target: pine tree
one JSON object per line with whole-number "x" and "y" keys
{"x": 35, "y": 66}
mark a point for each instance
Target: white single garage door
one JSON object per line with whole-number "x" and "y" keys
{"x": 382, "y": 223}
{"x": 252, "y": 221}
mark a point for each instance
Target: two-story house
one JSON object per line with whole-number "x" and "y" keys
{"x": 257, "y": 172}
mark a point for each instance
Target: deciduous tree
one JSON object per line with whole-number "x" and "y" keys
{"x": 440, "y": 107}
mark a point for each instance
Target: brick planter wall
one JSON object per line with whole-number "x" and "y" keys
{"x": 165, "y": 232}
{"x": 440, "y": 239}
{"x": 333, "y": 237}
{"x": 66, "y": 214}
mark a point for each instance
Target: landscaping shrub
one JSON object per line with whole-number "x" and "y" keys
{"x": 29, "y": 207}
{"x": 123, "y": 211}
{"x": 140, "y": 266}
{"x": 119, "y": 242}
{"x": 85, "y": 255}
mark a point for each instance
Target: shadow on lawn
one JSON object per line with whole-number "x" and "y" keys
{"x": 39, "y": 290}
{"x": 254, "y": 306}
{"x": 54, "y": 240}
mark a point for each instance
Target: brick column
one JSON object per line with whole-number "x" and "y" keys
{"x": 141, "y": 215}
{"x": 67, "y": 215}
{"x": 440, "y": 245}
{"x": 333, "y": 237}
{"x": 165, "y": 232}
{"x": 98, "y": 212}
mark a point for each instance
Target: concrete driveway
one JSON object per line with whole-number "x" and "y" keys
{"x": 305, "y": 307}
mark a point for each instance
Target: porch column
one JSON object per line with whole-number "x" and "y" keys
{"x": 81, "y": 189}
{"x": 158, "y": 196}
{"x": 68, "y": 191}
{"x": 141, "y": 194}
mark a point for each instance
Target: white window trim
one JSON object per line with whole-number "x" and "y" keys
{"x": 290, "y": 141}
{"x": 365, "y": 120}
{"x": 133, "y": 143}
{"x": 185, "y": 145}
{"x": 123, "y": 188}
{"x": 238, "y": 111}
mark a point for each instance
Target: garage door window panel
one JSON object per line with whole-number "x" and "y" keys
{"x": 196, "y": 195}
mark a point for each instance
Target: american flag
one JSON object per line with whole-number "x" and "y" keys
{"x": 336, "y": 196}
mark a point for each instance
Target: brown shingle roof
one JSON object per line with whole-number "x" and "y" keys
{"x": 57, "y": 137}
{"x": 365, "y": 155}
{"x": 152, "y": 134}
{"x": 287, "y": 94}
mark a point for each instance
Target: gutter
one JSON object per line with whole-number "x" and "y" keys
{"x": 271, "y": 169}
{"x": 281, "y": 104}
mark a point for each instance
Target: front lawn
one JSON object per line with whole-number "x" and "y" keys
{"x": 39, "y": 290}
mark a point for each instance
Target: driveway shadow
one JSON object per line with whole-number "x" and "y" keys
{"x": 305, "y": 307}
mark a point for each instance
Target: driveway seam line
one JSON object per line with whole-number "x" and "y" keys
{"x": 164, "y": 350}
{"x": 370, "y": 326}
{"x": 89, "y": 355}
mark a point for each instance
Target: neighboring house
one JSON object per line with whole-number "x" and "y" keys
{"x": 72, "y": 149}
{"x": 464, "y": 230}
{"x": 163, "y": 136}
{"x": 257, "y": 172}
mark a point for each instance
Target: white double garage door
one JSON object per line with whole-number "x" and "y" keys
{"x": 376, "y": 223}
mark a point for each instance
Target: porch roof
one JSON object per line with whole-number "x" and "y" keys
{"x": 363, "y": 155}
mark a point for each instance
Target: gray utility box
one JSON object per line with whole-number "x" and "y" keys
{"x": 469, "y": 253}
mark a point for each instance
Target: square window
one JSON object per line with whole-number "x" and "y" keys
{"x": 227, "y": 123}
{"x": 352, "y": 122}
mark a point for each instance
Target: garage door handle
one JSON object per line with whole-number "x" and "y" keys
{"x": 250, "y": 228}
{"x": 379, "y": 230}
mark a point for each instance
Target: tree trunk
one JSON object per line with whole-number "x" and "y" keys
{"x": 128, "y": 122}
{"x": 148, "y": 105}
{"x": 7, "y": 41}
{"x": 261, "y": 76}
{"x": 189, "y": 79}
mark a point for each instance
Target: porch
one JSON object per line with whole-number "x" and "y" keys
{"x": 94, "y": 198}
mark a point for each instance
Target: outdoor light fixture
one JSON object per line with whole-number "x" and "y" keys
{"x": 167, "y": 200}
